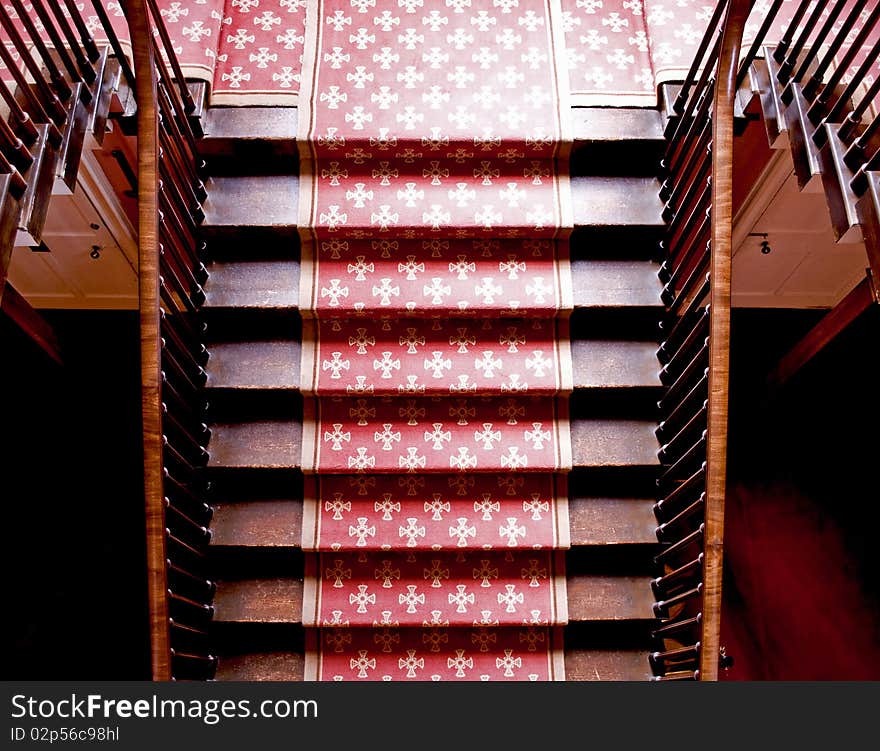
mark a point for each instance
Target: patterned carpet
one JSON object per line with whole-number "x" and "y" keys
{"x": 435, "y": 212}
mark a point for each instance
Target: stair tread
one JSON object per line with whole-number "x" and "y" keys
{"x": 277, "y": 523}
{"x": 596, "y": 124}
{"x": 616, "y": 201}
{"x": 277, "y": 443}
{"x": 274, "y": 364}
{"x": 612, "y": 521}
{"x": 276, "y": 600}
{"x": 601, "y": 363}
{"x": 271, "y": 201}
{"x": 580, "y": 665}
{"x": 614, "y": 443}
{"x": 279, "y": 599}
{"x": 272, "y": 523}
{"x": 253, "y": 284}
{"x": 270, "y": 364}
{"x": 274, "y": 284}
{"x": 250, "y": 124}
{"x": 589, "y": 124}
{"x": 261, "y": 666}
{"x": 606, "y": 665}
{"x": 257, "y": 201}
{"x": 257, "y": 443}
{"x": 612, "y": 283}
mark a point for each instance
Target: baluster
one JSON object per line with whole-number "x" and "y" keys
{"x": 781, "y": 53}
{"x": 816, "y": 45}
{"x": 758, "y": 42}
{"x": 50, "y": 109}
{"x": 699, "y": 57}
{"x": 672, "y": 529}
{"x": 814, "y": 83}
{"x": 115, "y": 44}
{"x": 60, "y": 85}
{"x": 672, "y": 629}
{"x": 823, "y": 98}
{"x": 85, "y": 36}
{"x": 677, "y": 658}
{"x": 661, "y": 609}
{"x": 695, "y": 538}
{"x": 59, "y": 47}
{"x": 81, "y": 55}
{"x": 22, "y": 124}
{"x": 663, "y": 586}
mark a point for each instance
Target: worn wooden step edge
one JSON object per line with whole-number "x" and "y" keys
{"x": 277, "y": 444}
{"x": 236, "y": 201}
{"x": 580, "y": 665}
{"x": 225, "y": 125}
{"x": 274, "y": 285}
{"x": 274, "y": 364}
{"x": 590, "y": 599}
{"x": 277, "y": 523}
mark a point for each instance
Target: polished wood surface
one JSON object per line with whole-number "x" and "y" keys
{"x": 148, "y": 262}
{"x": 719, "y": 337}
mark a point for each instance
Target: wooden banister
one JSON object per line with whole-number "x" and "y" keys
{"x": 719, "y": 331}
{"x": 172, "y": 354}
{"x": 151, "y": 367}
{"x": 695, "y": 353}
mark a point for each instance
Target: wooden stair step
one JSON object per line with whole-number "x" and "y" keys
{"x": 223, "y": 125}
{"x": 601, "y": 201}
{"x": 241, "y": 139}
{"x": 272, "y": 284}
{"x": 616, "y": 124}
{"x": 260, "y": 666}
{"x": 606, "y": 665}
{"x": 275, "y": 364}
{"x": 612, "y": 521}
{"x": 278, "y": 522}
{"x": 614, "y": 443}
{"x": 258, "y": 523}
{"x": 254, "y": 365}
{"x": 277, "y": 444}
{"x": 615, "y": 284}
{"x": 609, "y": 598}
{"x": 279, "y": 600}
{"x": 580, "y": 665}
{"x": 251, "y": 201}
{"x": 614, "y": 364}
{"x": 256, "y": 444}
{"x": 236, "y": 201}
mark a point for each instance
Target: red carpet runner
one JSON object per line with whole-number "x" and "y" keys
{"x": 435, "y": 212}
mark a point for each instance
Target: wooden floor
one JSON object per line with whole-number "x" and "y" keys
{"x": 254, "y": 329}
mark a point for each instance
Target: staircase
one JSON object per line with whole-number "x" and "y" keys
{"x": 255, "y": 411}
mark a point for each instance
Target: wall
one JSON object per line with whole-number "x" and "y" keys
{"x": 75, "y": 598}
{"x": 802, "y": 595}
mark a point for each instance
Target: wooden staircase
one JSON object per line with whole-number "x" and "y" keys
{"x": 253, "y": 330}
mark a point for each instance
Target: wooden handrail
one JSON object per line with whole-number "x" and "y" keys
{"x": 171, "y": 355}
{"x": 151, "y": 366}
{"x": 719, "y": 331}
{"x": 697, "y": 276}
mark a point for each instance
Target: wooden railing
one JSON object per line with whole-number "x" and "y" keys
{"x": 173, "y": 356}
{"x": 821, "y": 90}
{"x": 695, "y": 351}
{"x": 816, "y": 78}
{"x": 70, "y": 73}
{"x": 58, "y": 86}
